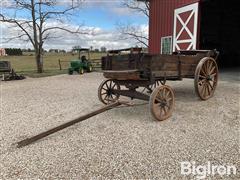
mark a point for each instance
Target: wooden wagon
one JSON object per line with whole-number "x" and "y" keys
{"x": 136, "y": 69}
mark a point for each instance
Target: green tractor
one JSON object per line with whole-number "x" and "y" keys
{"x": 82, "y": 63}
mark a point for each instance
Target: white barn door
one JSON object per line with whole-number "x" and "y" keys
{"x": 185, "y": 27}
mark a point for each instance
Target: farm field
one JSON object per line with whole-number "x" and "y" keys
{"x": 26, "y": 65}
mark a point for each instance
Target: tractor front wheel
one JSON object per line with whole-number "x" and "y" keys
{"x": 90, "y": 68}
{"x": 81, "y": 71}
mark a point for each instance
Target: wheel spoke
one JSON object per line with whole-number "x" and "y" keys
{"x": 159, "y": 95}
{"x": 210, "y": 85}
{"x": 201, "y": 81}
{"x": 213, "y": 75}
{"x": 169, "y": 99}
{"x": 110, "y": 84}
{"x": 208, "y": 90}
{"x": 107, "y": 85}
{"x": 209, "y": 66}
{"x": 202, "y": 76}
{"x": 203, "y": 89}
{"x": 104, "y": 89}
{"x": 168, "y": 93}
{"x": 160, "y": 114}
{"x": 164, "y": 110}
{"x": 203, "y": 70}
{"x": 206, "y": 68}
{"x": 110, "y": 96}
{"x": 105, "y": 98}
{"x": 159, "y": 100}
{"x": 167, "y": 105}
{"x": 212, "y": 70}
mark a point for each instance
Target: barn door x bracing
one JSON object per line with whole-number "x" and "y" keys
{"x": 185, "y": 27}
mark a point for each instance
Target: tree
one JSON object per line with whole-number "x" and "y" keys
{"x": 96, "y": 50}
{"x": 35, "y": 25}
{"x": 91, "y": 48}
{"x": 103, "y": 49}
{"x": 131, "y": 31}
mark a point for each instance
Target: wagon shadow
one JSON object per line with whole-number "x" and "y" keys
{"x": 185, "y": 94}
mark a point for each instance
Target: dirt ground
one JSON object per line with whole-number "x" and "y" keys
{"x": 122, "y": 143}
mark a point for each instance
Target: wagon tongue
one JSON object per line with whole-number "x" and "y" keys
{"x": 30, "y": 140}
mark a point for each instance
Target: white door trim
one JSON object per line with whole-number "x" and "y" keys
{"x": 193, "y": 35}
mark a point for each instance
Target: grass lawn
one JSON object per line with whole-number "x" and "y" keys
{"x": 26, "y": 64}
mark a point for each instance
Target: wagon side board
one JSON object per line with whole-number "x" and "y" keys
{"x": 182, "y": 66}
{"x": 145, "y": 66}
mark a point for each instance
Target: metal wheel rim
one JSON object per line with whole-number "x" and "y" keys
{"x": 206, "y": 78}
{"x": 105, "y": 93}
{"x": 162, "y": 102}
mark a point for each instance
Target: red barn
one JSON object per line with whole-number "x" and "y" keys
{"x": 196, "y": 24}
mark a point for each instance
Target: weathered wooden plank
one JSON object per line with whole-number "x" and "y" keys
{"x": 122, "y": 75}
{"x": 165, "y": 73}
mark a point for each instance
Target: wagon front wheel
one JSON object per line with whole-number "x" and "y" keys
{"x": 106, "y": 92}
{"x": 206, "y": 78}
{"x": 162, "y": 102}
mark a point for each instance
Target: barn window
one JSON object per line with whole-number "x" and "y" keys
{"x": 166, "y": 45}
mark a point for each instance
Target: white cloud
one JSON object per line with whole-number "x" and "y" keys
{"x": 122, "y": 11}
{"x": 66, "y": 41}
{"x": 5, "y": 3}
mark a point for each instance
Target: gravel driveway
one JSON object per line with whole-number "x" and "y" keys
{"x": 122, "y": 143}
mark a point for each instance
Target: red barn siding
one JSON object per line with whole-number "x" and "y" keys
{"x": 161, "y": 20}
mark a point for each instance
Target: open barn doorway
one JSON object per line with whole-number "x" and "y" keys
{"x": 220, "y": 29}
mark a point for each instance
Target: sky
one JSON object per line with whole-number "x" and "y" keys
{"x": 100, "y": 17}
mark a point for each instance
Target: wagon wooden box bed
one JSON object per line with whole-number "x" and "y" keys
{"x": 136, "y": 69}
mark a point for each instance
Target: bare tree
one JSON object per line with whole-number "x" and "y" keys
{"x": 141, "y": 6}
{"x": 131, "y": 31}
{"x": 35, "y": 25}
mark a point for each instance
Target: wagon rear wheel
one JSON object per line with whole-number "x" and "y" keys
{"x": 206, "y": 78}
{"x": 106, "y": 92}
{"x": 162, "y": 102}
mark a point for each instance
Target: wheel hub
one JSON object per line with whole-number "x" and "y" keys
{"x": 209, "y": 78}
{"x": 109, "y": 92}
{"x": 163, "y": 103}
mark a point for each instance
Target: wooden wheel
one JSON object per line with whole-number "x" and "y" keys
{"x": 106, "y": 91}
{"x": 206, "y": 78}
{"x": 162, "y": 102}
